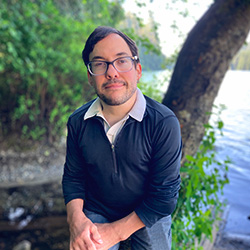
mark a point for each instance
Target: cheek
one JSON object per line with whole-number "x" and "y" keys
{"x": 137, "y": 78}
{"x": 97, "y": 82}
{"x": 90, "y": 79}
{"x": 132, "y": 77}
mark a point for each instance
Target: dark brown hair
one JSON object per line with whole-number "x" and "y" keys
{"x": 100, "y": 33}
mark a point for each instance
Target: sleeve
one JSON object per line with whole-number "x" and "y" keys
{"x": 164, "y": 185}
{"x": 73, "y": 181}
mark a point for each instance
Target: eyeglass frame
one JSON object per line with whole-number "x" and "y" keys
{"x": 133, "y": 58}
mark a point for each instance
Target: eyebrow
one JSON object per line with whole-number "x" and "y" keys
{"x": 102, "y": 58}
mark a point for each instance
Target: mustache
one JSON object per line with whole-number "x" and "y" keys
{"x": 112, "y": 82}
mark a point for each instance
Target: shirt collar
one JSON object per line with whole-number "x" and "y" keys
{"x": 137, "y": 112}
{"x": 94, "y": 109}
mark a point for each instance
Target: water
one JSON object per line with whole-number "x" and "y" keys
{"x": 235, "y": 94}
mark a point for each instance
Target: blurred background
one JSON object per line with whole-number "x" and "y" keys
{"x": 43, "y": 80}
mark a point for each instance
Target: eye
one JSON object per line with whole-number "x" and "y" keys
{"x": 122, "y": 61}
{"x": 98, "y": 64}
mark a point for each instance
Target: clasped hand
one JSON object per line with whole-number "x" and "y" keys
{"x": 85, "y": 235}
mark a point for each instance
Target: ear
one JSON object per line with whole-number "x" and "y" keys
{"x": 90, "y": 79}
{"x": 139, "y": 71}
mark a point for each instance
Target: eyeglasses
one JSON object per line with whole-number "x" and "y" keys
{"x": 121, "y": 64}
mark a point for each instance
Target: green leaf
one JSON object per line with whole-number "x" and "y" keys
{"x": 190, "y": 158}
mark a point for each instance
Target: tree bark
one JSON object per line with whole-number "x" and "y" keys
{"x": 202, "y": 64}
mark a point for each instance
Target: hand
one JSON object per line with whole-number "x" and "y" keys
{"x": 84, "y": 234}
{"x": 108, "y": 234}
{"x": 112, "y": 233}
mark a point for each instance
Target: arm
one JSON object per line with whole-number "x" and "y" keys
{"x": 73, "y": 182}
{"x": 164, "y": 183}
{"x": 83, "y": 233}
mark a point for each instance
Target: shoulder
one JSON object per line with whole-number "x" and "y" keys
{"x": 156, "y": 110}
{"x": 162, "y": 123}
{"x": 78, "y": 115}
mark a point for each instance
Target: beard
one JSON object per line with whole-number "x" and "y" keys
{"x": 118, "y": 99}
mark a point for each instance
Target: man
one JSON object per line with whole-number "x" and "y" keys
{"x": 121, "y": 175}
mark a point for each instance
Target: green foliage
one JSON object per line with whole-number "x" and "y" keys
{"x": 152, "y": 90}
{"x": 199, "y": 204}
{"x": 42, "y": 77}
{"x": 104, "y": 12}
{"x": 41, "y": 71}
{"x": 153, "y": 85}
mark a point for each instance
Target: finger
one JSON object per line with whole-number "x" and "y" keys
{"x": 89, "y": 245}
{"x": 80, "y": 244}
{"x": 95, "y": 235}
{"x": 76, "y": 246}
{"x": 73, "y": 247}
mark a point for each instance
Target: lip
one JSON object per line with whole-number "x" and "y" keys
{"x": 114, "y": 86}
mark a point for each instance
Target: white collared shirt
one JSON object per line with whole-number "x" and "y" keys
{"x": 137, "y": 112}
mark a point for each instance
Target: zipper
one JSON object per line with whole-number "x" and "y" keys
{"x": 114, "y": 158}
{"x": 113, "y": 149}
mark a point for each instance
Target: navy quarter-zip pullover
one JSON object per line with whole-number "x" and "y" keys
{"x": 138, "y": 172}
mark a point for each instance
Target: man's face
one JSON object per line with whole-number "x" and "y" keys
{"x": 114, "y": 88}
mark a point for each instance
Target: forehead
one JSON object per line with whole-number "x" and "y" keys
{"x": 109, "y": 47}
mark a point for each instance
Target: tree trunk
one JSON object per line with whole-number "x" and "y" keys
{"x": 202, "y": 64}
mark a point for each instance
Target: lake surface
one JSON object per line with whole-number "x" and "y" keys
{"x": 235, "y": 94}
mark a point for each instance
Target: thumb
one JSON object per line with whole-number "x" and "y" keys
{"x": 95, "y": 235}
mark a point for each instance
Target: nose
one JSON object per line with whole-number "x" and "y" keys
{"x": 112, "y": 72}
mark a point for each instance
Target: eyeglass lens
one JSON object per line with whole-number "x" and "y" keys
{"x": 122, "y": 64}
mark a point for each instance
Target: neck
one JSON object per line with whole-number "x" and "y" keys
{"x": 115, "y": 113}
